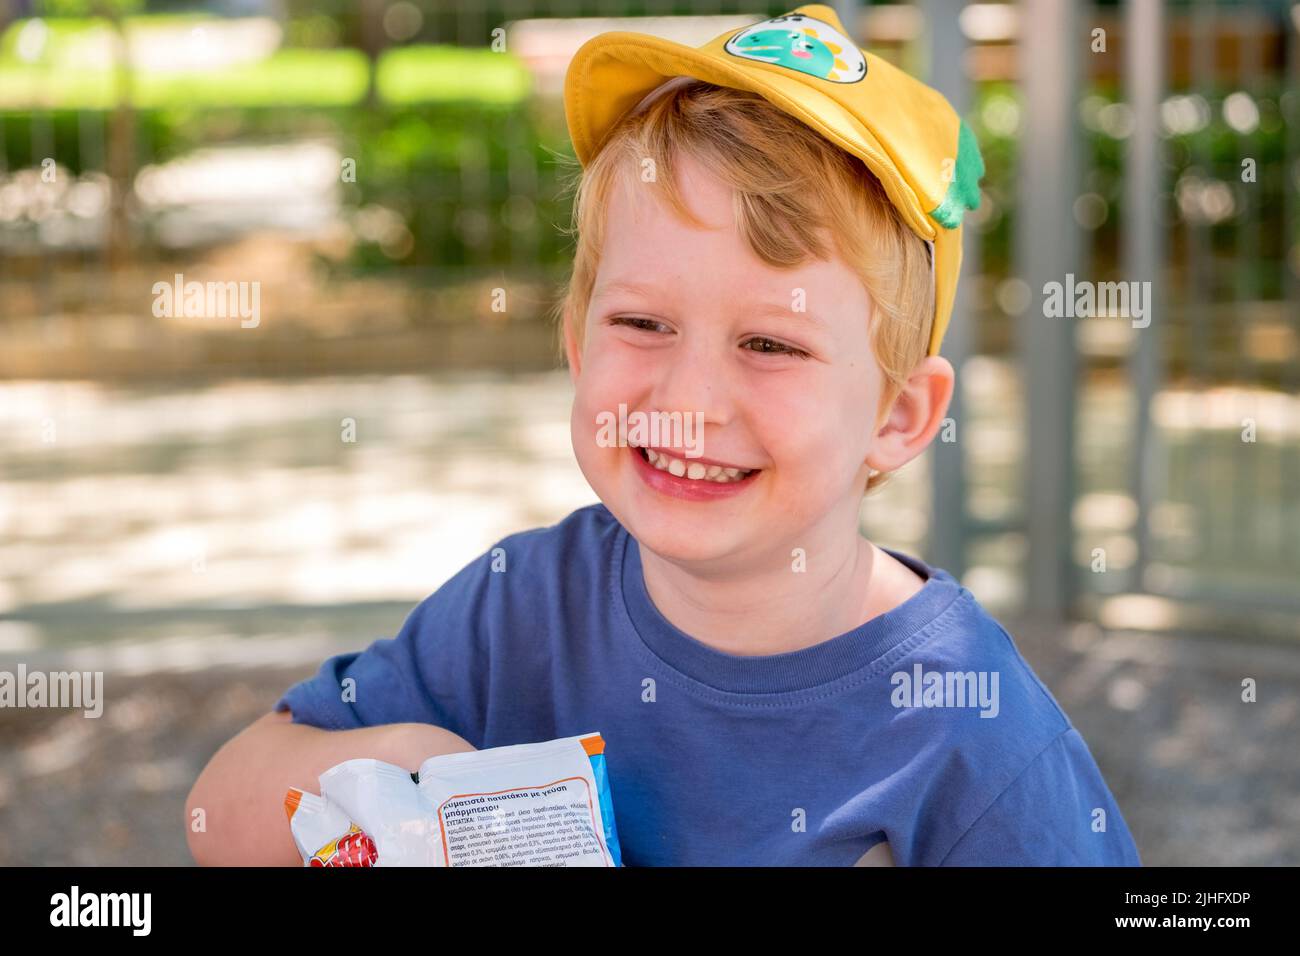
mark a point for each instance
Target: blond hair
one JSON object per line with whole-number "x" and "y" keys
{"x": 789, "y": 184}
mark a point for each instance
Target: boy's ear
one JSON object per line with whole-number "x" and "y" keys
{"x": 572, "y": 353}
{"x": 916, "y": 415}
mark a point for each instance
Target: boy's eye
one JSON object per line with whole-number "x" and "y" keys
{"x": 765, "y": 346}
{"x": 773, "y": 347}
{"x": 637, "y": 322}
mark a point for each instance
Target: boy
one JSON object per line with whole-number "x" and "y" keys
{"x": 768, "y": 246}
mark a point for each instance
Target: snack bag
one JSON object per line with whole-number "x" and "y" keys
{"x": 324, "y": 834}
{"x": 544, "y": 804}
{"x": 385, "y": 803}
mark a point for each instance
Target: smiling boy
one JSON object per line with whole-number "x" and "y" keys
{"x": 773, "y": 688}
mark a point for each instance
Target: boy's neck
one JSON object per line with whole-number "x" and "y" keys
{"x": 777, "y": 610}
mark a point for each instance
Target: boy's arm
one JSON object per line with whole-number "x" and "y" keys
{"x": 241, "y": 790}
{"x": 390, "y": 702}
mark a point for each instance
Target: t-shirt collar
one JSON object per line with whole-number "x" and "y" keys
{"x": 798, "y": 670}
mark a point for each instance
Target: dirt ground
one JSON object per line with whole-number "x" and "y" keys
{"x": 1202, "y": 778}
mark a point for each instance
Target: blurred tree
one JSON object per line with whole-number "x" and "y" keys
{"x": 120, "y": 159}
{"x": 373, "y": 42}
{"x": 357, "y": 25}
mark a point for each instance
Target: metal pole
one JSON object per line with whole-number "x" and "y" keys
{"x": 849, "y": 12}
{"x": 1143, "y": 249}
{"x": 1047, "y": 249}
{"x": 948, "y": 524}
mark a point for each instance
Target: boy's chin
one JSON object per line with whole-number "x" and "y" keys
{"x": 676, "y": 535}
{"x": 673, "y": 549}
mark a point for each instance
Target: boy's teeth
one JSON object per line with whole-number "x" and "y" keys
{"x": 694, "y": 470}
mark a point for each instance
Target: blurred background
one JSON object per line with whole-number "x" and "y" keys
{"x": 204, "y": 507}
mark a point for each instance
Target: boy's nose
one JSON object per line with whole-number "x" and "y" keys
{"x": 693, "y": 381}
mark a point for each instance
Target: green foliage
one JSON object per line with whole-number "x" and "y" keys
{"x": 443, "y": 168}
{"x": 423, "y": 74}
{"x": 88, "y": 8}
{"x": 292, "y": 76}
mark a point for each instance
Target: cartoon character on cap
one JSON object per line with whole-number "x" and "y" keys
{"x": 801, "y": 43}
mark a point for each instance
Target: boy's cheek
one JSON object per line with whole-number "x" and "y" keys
{"x": 591, "y": 405}
{"x": 610, "y": 360}
{"x": 607, "y": 384}
{"x": 823, "y": 412}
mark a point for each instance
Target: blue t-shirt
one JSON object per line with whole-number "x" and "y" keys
{"x": 804, "y": 758}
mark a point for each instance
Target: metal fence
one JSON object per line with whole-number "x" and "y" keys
{"x": 1160, "y": 457}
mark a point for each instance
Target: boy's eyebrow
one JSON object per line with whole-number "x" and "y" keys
{"x": 766, "y": 308}
{"x": 788, "y": 312}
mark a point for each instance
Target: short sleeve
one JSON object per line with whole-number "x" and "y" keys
{"x": 1052, "y": 814}
{"x": 433, "y": 671}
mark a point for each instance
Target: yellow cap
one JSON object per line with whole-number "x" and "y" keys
{"x": 802, "y": 62}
